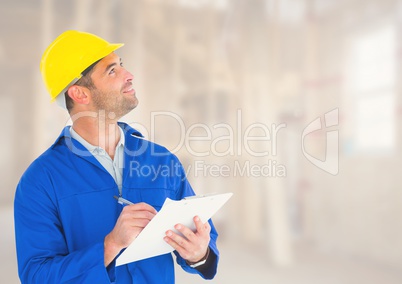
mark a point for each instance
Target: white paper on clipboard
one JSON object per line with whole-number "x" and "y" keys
{"x": 150, "y": 241}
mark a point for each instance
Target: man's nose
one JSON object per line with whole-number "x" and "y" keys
{"x": 128, "y": 76}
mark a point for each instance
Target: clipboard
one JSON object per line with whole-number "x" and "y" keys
{"x": 150, "y": 243}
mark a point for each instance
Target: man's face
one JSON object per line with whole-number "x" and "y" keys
{"x": 113, "y": 87}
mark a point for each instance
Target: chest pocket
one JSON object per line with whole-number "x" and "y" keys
{"x": 152, "y": 196}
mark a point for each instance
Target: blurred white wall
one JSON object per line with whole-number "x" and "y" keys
{"x": 312, "y": 83}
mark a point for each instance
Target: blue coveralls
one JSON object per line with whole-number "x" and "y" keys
{"x": 64, "y": 208}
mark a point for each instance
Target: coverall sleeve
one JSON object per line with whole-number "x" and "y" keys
{"x": 42, "y": 253}
{"x": 210, "y": 272}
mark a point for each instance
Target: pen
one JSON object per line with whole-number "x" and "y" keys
{"x": 122, "y": 201}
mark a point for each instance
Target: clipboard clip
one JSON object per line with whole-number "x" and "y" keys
{"x": 199, "y": 196}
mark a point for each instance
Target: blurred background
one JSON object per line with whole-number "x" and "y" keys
{"x": 295, "y": 103}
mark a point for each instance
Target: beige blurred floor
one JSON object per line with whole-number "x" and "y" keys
{"x": 246, "y": 265}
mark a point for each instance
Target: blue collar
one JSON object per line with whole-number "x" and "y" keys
{"x": 66, "y": 135}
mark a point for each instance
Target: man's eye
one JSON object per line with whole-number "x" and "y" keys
{"x": 111, "y": 71}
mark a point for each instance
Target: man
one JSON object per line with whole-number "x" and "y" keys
{"x": 69, "y": 228}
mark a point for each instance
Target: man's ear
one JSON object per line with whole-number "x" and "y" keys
{"x": 79, "y": 94}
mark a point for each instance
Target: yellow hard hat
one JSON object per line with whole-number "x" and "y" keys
{"x": 68, "y": 56}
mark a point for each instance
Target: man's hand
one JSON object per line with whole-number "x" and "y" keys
{"x": 192, "y": 246}
{"x": 130, "y": 223}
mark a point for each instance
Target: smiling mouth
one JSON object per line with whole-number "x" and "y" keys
{"x": 129, "y": 90}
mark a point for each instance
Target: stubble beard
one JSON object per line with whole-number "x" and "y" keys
{"x": 109, "y": 103}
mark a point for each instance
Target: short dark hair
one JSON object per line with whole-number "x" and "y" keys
{"x": 84, "y": 81}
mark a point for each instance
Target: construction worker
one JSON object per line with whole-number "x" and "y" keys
{"x": 69, "y": 228}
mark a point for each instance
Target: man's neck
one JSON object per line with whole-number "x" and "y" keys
{"x": 99, "y": 131}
